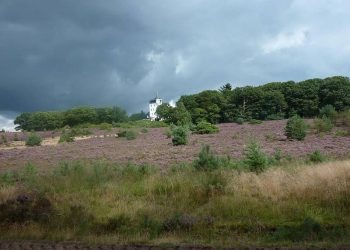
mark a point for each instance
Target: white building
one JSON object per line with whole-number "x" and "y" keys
{"x": 153, "y": 105}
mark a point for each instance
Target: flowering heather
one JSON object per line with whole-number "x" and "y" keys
{"x": 156, "y": 149}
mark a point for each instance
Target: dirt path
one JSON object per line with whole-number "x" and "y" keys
{"x": 45, "y": 245}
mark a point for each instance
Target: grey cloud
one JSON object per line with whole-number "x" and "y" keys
{"x": 58, "y": 54}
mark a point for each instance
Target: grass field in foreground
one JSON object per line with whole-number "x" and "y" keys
{"x": 301, "y": 205}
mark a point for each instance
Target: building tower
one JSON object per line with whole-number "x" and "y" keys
{"x": 153, "y": 105}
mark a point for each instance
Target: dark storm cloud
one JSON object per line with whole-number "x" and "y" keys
{"x": 58, "y": 54}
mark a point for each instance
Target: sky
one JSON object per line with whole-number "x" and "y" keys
{"x": 58, "y": 54}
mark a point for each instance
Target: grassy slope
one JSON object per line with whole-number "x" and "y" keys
{"x": 303, "y": 205}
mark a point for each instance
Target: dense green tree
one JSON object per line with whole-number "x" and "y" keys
{"x": 80, "y": 115}
{"x": 336, "y": 92}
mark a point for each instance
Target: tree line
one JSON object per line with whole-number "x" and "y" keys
{"x": 49, "y": 120}
{"x": 271, "y": 101}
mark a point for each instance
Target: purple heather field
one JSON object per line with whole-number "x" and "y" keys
{"x": 154, "y": 148}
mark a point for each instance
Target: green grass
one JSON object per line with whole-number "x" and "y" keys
{"x": 102, "y": 202}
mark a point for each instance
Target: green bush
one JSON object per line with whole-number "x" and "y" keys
{"x": 33, "y": 140}
{"x": 205, "y": 128}
{"x": 343, "y": 118}
{"x": 80, "y": 131}
{"x": 316, "y": 157}
{"x": 105, "y": 126}
{"x": 207, "y": 160}
{"x": 255, "y": 159}
{"x": 180, "y": 135}
{"x": 66, "y": 137}
{"x": 144, "y": 130}
{"x": 254, "y": 121}
{"x": 167, "y": 133}
{"x": 296, "y": 128}
{"x": 3, "y": 139}
{"x": 328, "y": 111}
{"x": 130, "y": 135}
{"x": 323, "y": 125}
{"x": 122, "y": 133}
{"x": 239, "y": 120}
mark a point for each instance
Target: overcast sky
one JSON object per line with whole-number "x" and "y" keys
{"x": 55, "y": 54}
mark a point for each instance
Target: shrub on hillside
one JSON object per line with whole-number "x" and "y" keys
{"x": 130, "y": 135}
{"x": 255, "y": 159}
{"x": 33, "y": 140}
{"x": 254, "y": 122}
{"x": 167, "y": 133}
{"x": 296, "y": 128}
{"x": 239, "y": 120}
{"x": 66, "y": 137}
{"x": 343, "y": 118}
{"x": 105, "y": 126}
{"x": 205, "y": 128}
{"x": 317, "y": 157}
{"x": 3, "y": 138}
{"x": 207, "y": 160}
{"x": 323, "y": 125}
{"x": 180, "y": 135}
{"x": 122, "y": 133}
{"x": 328, "y": 111}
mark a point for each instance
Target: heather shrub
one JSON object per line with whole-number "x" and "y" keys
{"x": 308, "y": 230}
{"x": 130, "y": 135}
{"x": 296, "y": 128}
{"x": 316, "y": 157}
{"x": 205, "y": 128}
{"x": 180, "y": 135}
{"x": 33, "y": 140}
{"x": 323, "y": 125}
{"x": 116, "y": 223}
{"x": 207, "y": 160}
{"x": 254, "y": 158}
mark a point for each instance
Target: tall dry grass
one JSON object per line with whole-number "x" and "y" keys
{"x": 305, "y": 203}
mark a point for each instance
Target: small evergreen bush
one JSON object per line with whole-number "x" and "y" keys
{"x": 255, "y": 159}
{"x": 180, "y": 135}
{"x": 66, "y": 137}
{"x": 254, "y": 122}
{"x": 205, "y": 128}
{"x": 130, "y": 135}
{"x": 33, "y": 140}
{"x": 240, "y": 120}
{"x": 122, "y": 133}
{"x": 167, "y": 133}
{"x": 317, "y": 157}
{"x": 296, "y": 128}
{"x": 3, "y": 139}
{"x": 328, "y": 111}
{"x": 207, "y": 160}
{"x": 105, "y": 126}
{"x": 323, "y": 125}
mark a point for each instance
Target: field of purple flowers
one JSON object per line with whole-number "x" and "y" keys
{"x": 156, "y": 149}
